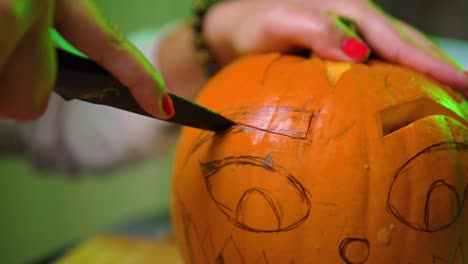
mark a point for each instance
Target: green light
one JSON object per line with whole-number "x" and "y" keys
{"x": 461, "y": 109}
{"x": 62, "y": 43}
{"x": 346, "y": 25}
{"x": 21, "y": 7}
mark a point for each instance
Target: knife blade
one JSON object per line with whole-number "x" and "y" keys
{"x": 81, "y": 79}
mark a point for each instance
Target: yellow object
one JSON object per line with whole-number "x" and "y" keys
{"x": 114, "y": 249}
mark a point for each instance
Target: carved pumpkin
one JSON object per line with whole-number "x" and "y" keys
{"x": 331, "y": 163}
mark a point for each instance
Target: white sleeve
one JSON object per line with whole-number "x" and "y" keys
{"x": 74, "y": 136}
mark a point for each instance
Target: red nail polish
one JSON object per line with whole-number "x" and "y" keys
{"x": 355, "y": 49}
{"x": 167, "y": 105}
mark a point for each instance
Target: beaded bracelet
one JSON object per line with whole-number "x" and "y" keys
{"x": 200, "y": 9}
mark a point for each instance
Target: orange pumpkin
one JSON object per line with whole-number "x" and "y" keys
{"x": 331, "y": 163}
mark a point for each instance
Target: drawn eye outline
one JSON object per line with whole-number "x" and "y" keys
{"x": 393, "y": 210}
{"x": 211, "y": 168}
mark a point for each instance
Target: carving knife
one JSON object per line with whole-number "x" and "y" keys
{"x": 81, "y": 79}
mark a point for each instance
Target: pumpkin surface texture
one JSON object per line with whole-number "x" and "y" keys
{"x": 331, "y": 162}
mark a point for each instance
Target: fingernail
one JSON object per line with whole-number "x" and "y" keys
{"x": 466, "y": 73}
{"x": 167, "y": 105}
{"x": 355, "y": 49}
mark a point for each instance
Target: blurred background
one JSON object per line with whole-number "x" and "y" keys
{"x": 435, "y": 17}
{"x": 41, "y": 212}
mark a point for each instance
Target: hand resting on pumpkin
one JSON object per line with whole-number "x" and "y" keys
{"x": 234, "y": 28}
{"x": 27, "y": 64}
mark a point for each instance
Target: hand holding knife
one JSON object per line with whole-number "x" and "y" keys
{"x": 82, "y": 79}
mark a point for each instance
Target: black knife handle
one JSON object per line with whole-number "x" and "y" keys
{"x": 75, "y": 75}
{"x": 83, "y": 79}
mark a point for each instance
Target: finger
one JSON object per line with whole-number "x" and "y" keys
{"x": 84, "y": 26}
{"x": 16, "y": 17}
{"x": 29, "y": 72}
{"x": 422, "y": 41}
{"x": 325, "y": 34}
{"x": 354, "y": 47}
{"x": 394, "y": 44}
{"x": 379, "y": 32}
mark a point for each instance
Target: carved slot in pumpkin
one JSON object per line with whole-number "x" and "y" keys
{"x": 282, "y": 120}
{"x": 402, "y": 115}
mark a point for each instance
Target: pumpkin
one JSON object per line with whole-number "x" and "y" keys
{"x": 331, "y": 162}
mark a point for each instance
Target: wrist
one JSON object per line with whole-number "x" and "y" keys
{"x": 217, "y": 31}
{"x": 176, "y": 57}
{"x": 210, "y": 26}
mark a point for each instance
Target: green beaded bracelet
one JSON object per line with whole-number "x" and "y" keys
{"x": 200, "y": 9}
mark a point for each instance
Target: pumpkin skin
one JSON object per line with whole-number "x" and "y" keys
{"x": 331, "y": 163}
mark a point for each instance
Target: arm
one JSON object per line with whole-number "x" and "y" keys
{"x": 175, "y": 56}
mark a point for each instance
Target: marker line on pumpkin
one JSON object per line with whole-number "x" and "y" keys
{"x": 423, "y": 224}
{"x": 211, "y": 168}
{"x": 231, "y": 246}
{"x": 343, "y": 249}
